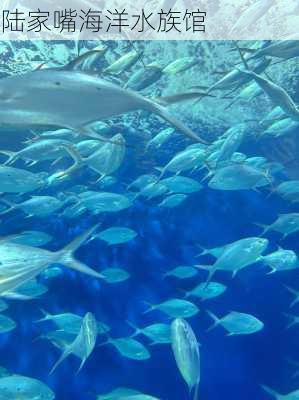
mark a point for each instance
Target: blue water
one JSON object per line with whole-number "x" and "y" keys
{"x": 231, "y": 367}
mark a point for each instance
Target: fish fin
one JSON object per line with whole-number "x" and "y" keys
{"x": 151, "y": 307}
{"x": 46, "y": 316}
{"x": 12, "y": 156}
{"x": 76, "y": 156}
{"x": 11, "y": 206}
{"x": 164, "y": 114}
{"x": 81, "y": 366}
{"x": 133, "y": 326}
{"x": 215, "y": 319}
{"x": 203, "y": 250}
{"x": 210, "y": 276}
{"x": 63, "y": 356}
{"x": 72, "y": 65}
{"x": 196, "y": 392}
{"x": 271, "y": 392}
{"x": 263, "y": 226}
{"x": 180, "y": 97}
{"x": 292, "y": 320}
{"x": 272, "y": 271}
{"x": 11, "y": 295}
{"x": 66, "y": 256}
{"x": 245, "y": 50}
{"x": 241, "y": 56}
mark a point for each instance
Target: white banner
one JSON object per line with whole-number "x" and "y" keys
{"x": 149, "y": 19}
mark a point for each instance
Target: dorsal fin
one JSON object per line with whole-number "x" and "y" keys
{"x": 80, "y": 59}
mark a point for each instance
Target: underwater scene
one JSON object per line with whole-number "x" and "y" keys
{"x": 149, "y": 220}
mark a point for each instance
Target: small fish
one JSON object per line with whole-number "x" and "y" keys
{"x": 180, "y": 65}
{"x": 118, "y": 394}
{"x": 230, "y": 145}
{"x": 16, "y": 180}
{"x": 181, "y": 184}
{"x": 293, "y": 320}
{"x": 38, "y": 206}
{"x": 173, "y": 200}
{"x": 124, "y": 63}
{"x": 115, "y": 275}
{"x": 6, "y": 325}
{"x": 281, "y": 128}
{"x": 88, "y": 147}
{"x": 206, "y": 292}
{"x": 51, "y": 272}
{"x": 153, "y": 190}
{"x": 47, "y": 149}
{"x": 182, "y": 272}
{"x": 142, "y": 181}
{"x": 295, "y": 294}
{"x": 239, "y": 177}
{"x": 27, "y": 291}
{"x": 185, "y": 161}
{"x": 175, "y": 308}
{"x": 29, "y": 238}
{"x": 290, "y": 396}
{"x": 105, "y": 160}
{"x": 21, "y": 387}
{"x": 100, "y": 202}
{"x": 158, "y": 333}
{"x": 237, "y": 323}
{"x": 117, "y": 235}
{"x": 144, "y": 77}
{"x": 239, "y": 255}
{"x": 281, "y": 260}
{"x": 70, "y": 323}
{"x": 83, "y": 344}
{"x": 129, "y": 348}
{"x": 285, "y": 49}
{"x": 252, "y": 14}
{"x": 287, "y": 189}
{"x": 285, "y": 224}
{"x": 186, "y": 353}
{"x": 157, "y": 141}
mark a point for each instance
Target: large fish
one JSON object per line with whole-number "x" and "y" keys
{"x": 186, "y": 352}
{"x": 72, "y": 99}
{"x": 19, "y": 263}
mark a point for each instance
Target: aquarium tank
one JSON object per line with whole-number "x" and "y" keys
{"x": 149, "y": 220}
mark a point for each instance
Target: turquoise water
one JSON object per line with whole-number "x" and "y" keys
{"x": 166, "y": 222}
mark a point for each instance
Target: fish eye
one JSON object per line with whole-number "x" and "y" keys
{"x": 57, "y": 83}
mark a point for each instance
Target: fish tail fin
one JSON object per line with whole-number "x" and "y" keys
{"x": 293, "y": 320}
{"x": 66, "y": 256}
{"x": 215, "y": 319}
{"x": 76, "y": 156}
{"x": 134, "y": 327}
{"x": 151, "y": 307}
{"x": 46, "y": 316}
{"x": 271, "y": 392}
{"x": 81, "y": 365}
{"x": 63, "y": 356}
{"x": 210, "y": 276}
{"x": 196, "y": 392}
{"x": 164, "y": 114}
{"x": 11, "y": 206}
{"x": 12, "y": 156}
{"x": 263, "y": 226}
{"x": 241, "y": 55}
{"x": 203, "y": 251}
{"x": 295, "y": 293}
{"x": 180, "y": 97}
